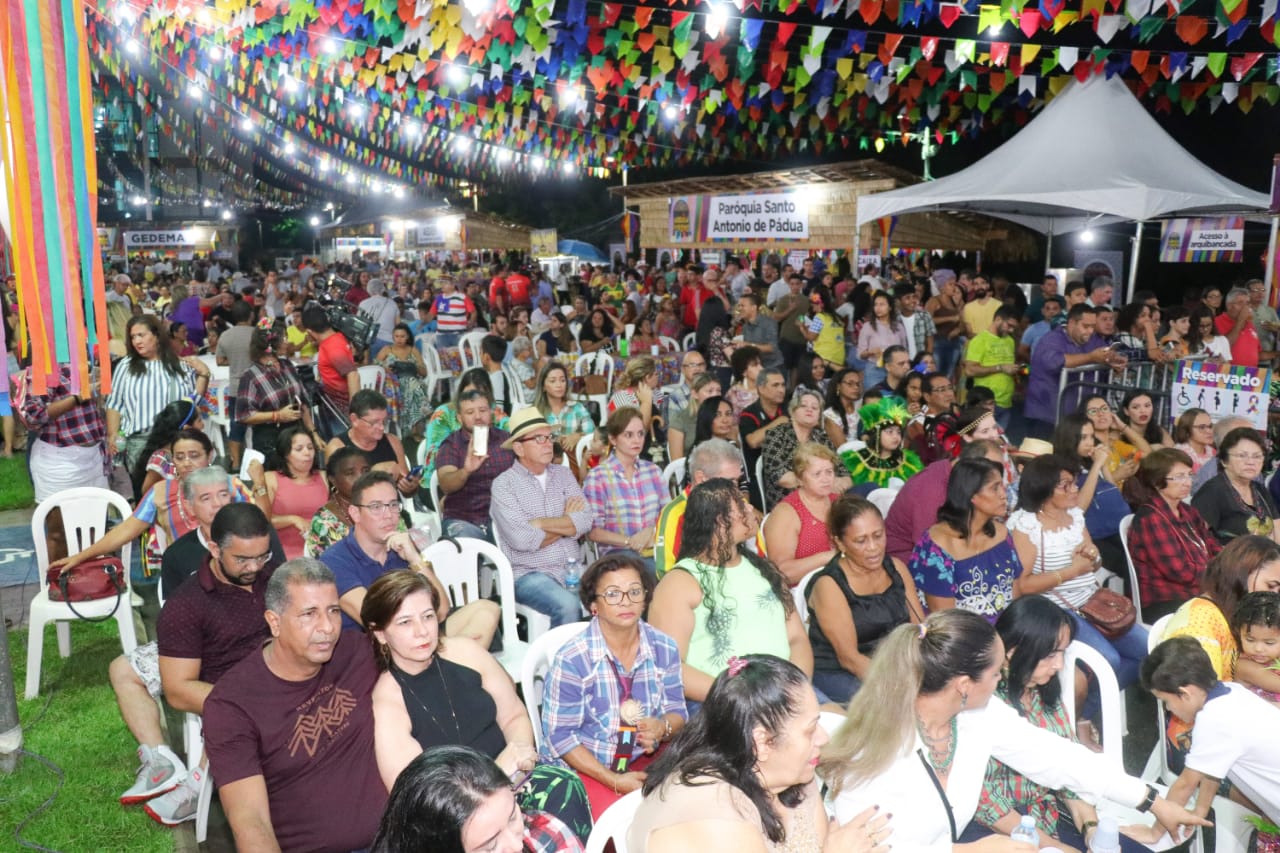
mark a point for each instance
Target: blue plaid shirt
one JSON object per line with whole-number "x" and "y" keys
{"x": 582, "y": 699}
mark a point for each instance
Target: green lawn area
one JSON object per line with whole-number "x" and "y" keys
{"x": 74, "y": 723}
{"x": 15, "y": 486}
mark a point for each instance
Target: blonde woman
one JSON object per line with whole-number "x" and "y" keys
{"x": 635, "y": 388}
{"x": 906, "y": 747}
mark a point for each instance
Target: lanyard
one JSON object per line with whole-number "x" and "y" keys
{"x": 624, "y": 684}
{"x": 625, "y": 740}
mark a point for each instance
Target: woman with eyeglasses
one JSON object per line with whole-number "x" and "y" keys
{"x": 1193, "y": 435}
{"x": 1100, "y": 498}
{"x": 1060, "y": 562}
{"x": 1125, "y": 444}
{"x": 614, "y": 695}
{"x": 1203, "y": 337}
{"x": 1235, "y": 503}
{"x": 438, "y": 690}
{"x": 1170, "y": 542}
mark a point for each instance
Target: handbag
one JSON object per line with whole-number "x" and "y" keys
{"x": 92, "y": 580}
{"x": 1111, "y": 613}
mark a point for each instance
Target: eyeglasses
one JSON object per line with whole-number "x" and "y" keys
{"x": 382, "y": 424}
{"x": 613, "y": 595}
{"x": 1067, "y": 486}
{"x": 940, "y": 389}
{"x": 540, "y": 438}
{"x": 246, "y": 562}
{"x": 379, "y": 507}
{"x": 1097, "y": 410}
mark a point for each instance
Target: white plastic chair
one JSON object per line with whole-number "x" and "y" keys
{"x": 673, "y": 476}
{"x": 534, "y": 672}
{"x": 1125, "y": 524}
{"x": 613, "y": 824}
{"x": 689, "y": 341}
{"x": 193, "y": 746}
{"x": 519, "y": 393}
{"x": 883, "y": 499}
{"x": 435, "y": 368}
{"x": 469, "y": 349}
{"x": 456, "y": 563}
{"x": 372, "y": 377}
{"x": 598, "y": 363}
{"x": 764, "y": 501}
{"x": 1113, "y": 715}
{"x": 84, "y": 521}
{"x": 580, "y": 451}
{"x": 536, "y": 622}
{"x": 667, "y": 344}
{"x": 802, "y": 603}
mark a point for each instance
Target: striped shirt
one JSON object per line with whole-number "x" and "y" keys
{"x": 583, "y": 698}
{"x": 140, "y": 398}
{"x": 451, "y": 312}
{"x": 518, "y": 498}
{"x": 1055, "y": 550}
{"x": 622, "y": 505}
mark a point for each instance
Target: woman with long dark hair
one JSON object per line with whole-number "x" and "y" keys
{"x": 155, "y": 463}
{"x": 1103, "y": 504}
{"x": 844, "y": 397}
{"x": 149, "y": 378}
{"x": 452, "y": 799}
{"x": 720, "y": 599}
{"x": 271, "y": 396}
{"x": 1137, "y": 410}
{"x": 714, "y": 338}
{"x": 882, "y": 330}
{"x": 741, "y": 773}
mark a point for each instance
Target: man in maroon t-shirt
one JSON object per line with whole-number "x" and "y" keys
{"x": 289, "y": 730}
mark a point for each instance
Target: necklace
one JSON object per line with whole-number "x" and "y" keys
{"x": 942, "y": 750}
{"x": 408, "y": 689}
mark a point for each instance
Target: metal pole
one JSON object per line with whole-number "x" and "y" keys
{"x": 1048, "y": 249}
{"x": 10, "y": 726}
{"x": 1133, "y": 263}
{"x": 1269, "y": 273}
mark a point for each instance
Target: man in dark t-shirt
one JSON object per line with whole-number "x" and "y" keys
{"x": 466, "y": 478}
{"x": 757, "y": 419}
{"x": 289, "y": 730}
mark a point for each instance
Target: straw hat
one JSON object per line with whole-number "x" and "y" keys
{"x": 1031, "y": 448}
{"x": 523, "y": 421}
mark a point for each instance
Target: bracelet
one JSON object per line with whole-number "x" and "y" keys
{"x": 1088, "y": 825}
{"x": 666, "y": 721}
{"x": 1149, "y": 800}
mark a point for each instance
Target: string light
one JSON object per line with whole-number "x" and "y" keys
{"x": 717, "y": 19}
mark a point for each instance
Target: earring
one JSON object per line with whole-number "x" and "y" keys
{"x": 964, "y": 699}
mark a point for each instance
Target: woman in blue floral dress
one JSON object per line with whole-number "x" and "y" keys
{"x": 967, "y": 559}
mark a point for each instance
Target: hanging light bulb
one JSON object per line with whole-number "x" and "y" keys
{"x": 226, "y": 215}
{"x": 672, "y": 112}
{"x": 133, "y": 47}
{"x": 289, "y": 148}
{"x": 455, "y": 75}
{"x": 411, "y": 129}
{"x": 356, "y": 110}
{"x": 246, "y": 124}
{"x": 215, "y": 53}
{"x": 879, "y": 144}
{"x": 462, "y": 143}
{"x": 717, "y": 19}
{"x": 539, "y": 162}
{"x": 1086, "y": 236}
{"x": 329, "y": 46}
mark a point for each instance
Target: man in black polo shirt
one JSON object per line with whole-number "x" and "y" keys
{"x": 757, "y": 419}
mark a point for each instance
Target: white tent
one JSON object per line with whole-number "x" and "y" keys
{"x": 1093, "y": 155}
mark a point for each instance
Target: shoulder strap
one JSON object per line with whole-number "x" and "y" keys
{"x": 942, "y": 794}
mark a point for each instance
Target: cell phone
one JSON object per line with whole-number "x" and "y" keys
{"x": 519, "y": 778}
{"x": 416, "y": 471}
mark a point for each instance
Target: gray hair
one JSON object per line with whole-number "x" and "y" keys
{"x": 1220, "y": 429}
{"x": 799, "y": 396}
{"x": 712, "y": 455}
{"x": 1100, "y": 282}
{"x": 520, "y": 344}
{"x": 209, "y": 476}
{"x": 178, "y": 293}
{"x": 763, "y": 377}
{"x": 300, "y": 571}
{"x": 376, "y": 287}
{"x": 1236, "y": 293}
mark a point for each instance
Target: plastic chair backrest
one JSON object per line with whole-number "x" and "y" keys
{"x": 764, "y": 501}
{"x": 690, "y": 341}
{"x": 580, "y": 453}
{"x": 433, "y": 487}
{"x": 469, "y": 349}
{"x": 802, "y": 604}
{"x": 668, "y": 344}
{"x": 534, "y": 670}
{"x": 1125, "y": 524}
{"x": 456, "y": 563}
{"x": 516, "y": 390}
{"x": 372, "y": 377}
{"x": 673, "y": 476}
{"x": 1109, "y": 691}
{"x": 883, "y": 499}
{"x": 84, "y": 521}
{"x": 613, "y": 824}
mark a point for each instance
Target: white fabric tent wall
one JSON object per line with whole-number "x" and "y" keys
{"x": 1093, "y": 155}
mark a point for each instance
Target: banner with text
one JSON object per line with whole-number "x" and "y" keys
{"x": 1184, "y": 241}
{"x": 1222, "y": 390}
{"x": 749, "y": 216}
{"x": 135, "y": 241}
{"x": 544, "y": 242}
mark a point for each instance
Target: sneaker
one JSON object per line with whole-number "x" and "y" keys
{"x": 161, "y": 771}
{"x": 179, "y": 805}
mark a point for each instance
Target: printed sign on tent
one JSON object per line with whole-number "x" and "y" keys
{"x": 1187, "y": 241}
{"x": 743, "y": 217}
{"x": 543, "y": 242}
{"x": 1221, "y": 390}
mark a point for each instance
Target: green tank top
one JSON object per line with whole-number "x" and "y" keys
{"x": 748, "y": 618}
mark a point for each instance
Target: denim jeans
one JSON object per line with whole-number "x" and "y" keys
{"x": 457, "y": 528}
{"x": 840, "y": 686}
{"x": 946, "y": 352}
{"x": 447, "y": 339}
{"x": 1002, "y": 418}
{"x": 1125, "y": 655}
{"x": 547, "y": 595}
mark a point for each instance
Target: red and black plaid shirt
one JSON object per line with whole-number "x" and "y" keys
{"x": 1170, "y": 552}
{"x": 268, "y": 389}
{"x": 81, "y": 426}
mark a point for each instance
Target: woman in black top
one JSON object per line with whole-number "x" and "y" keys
{"x": 856, "y": 600}
{"x": 1234, "y": 503}
{"x": 435, "y": 693}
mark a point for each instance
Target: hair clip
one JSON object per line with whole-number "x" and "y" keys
{"x": 737, "y": 665}
{"x": 191, "y": 414}
{"x": 923, "y": 630}
{"x": 266, "y": 322}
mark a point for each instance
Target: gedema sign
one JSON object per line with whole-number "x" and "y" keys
{"x": 745, "y": 217}
{"x": 142, "y": 240}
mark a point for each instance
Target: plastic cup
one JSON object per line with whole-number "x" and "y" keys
{"x": 655, "y": 349}
{"x": 480, "y": 441}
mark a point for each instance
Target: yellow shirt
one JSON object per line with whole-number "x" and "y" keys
{"x": 297, "y": 337}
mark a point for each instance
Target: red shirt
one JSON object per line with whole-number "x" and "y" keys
{"x": 518, "y": 289}
{"x": 335, "y": 360}
{"x": 692, "y": 298}
{"x": 356, "y": 295}
{"x": 496, "y": 286}
{"x": 1246, "y": 349}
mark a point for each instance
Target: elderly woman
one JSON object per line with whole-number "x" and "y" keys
{"x": 1060, "y": 561}
{"x": 522, "y": 360}
{"x": 967, "y": 559}
{"x": 907, "y": 748}
{"x": 625, "y": 492}
{"x": 780, "y": 446}
{"x": 719, "y": 599}
{"x": 270, "y": 397}
{"x": 1235, "y": 503}
{"x": 683, "y": 421}
{"x": 451, "y": 799}
{"x": 860, "y": 595}
{"x": 741, "y": 775}
{"x": 620, "y": 675}
{"x": 149, "y": 378}
{"x": 1169, "y": 541}
{"x": 437, "y": 691}
{"x": 795, "y": 533}
{"x": 1035, "y": 633}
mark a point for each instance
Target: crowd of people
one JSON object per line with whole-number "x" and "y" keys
{"x": 738, "y": 573}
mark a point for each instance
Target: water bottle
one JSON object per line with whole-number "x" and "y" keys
{"x": 1027, "y": 832}
{"x": 572, "y": 575}
{"x": 1106, "y": 838}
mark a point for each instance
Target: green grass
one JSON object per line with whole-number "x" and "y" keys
{"x": 81, "y": 732}
{"x": 15, "y": 486}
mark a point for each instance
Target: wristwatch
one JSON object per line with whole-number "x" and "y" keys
{"x": 1149, "y": 800}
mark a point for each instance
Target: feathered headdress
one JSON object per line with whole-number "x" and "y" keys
{"x": 887, "y": 411}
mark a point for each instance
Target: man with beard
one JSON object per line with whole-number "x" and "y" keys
{"x": 980, "y": 310}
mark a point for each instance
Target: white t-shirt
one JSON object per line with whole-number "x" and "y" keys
{"x": 777, "y": 290}
{"x": 909, "y": 325}
{"x": 1234, "y": 738}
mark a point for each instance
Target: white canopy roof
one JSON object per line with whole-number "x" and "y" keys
{"x": 1093, "y": 155}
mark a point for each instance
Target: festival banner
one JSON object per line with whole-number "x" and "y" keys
{"x": 140, "y": 241}
{"x": 1222, "y": 390}
{"x": 1214, "y": 240}
{"x": 544, "y": 243}
{"x": 738, "y": 218}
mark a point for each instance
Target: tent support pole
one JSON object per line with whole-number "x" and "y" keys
{"x": 1269, "y": 272}
{"x": 1133, "y": 264}
{"x": 1048, "y": 250}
